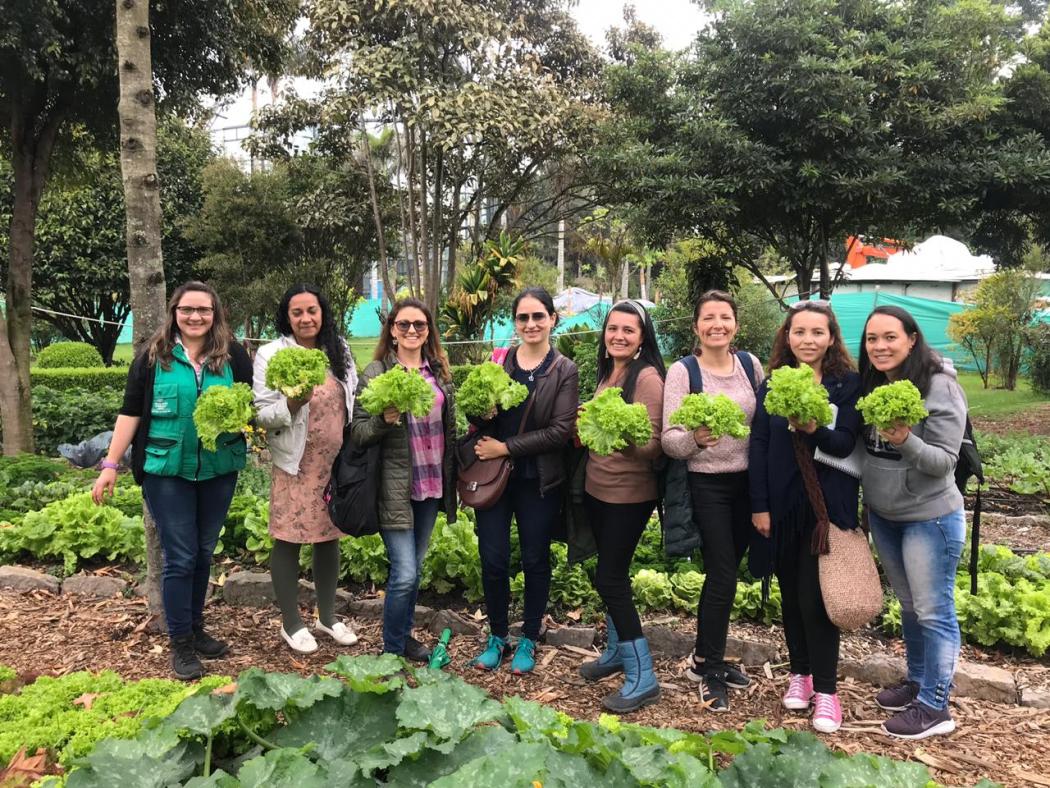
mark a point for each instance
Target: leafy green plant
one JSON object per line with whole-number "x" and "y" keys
{"x": 451, "y": 561}
{"x": 1019, "y": 471}
{"x": 21, "y": 468}
{"x": 652, "y": 590}
{"x": 364, "y": 560}
{"x": 794, "y": 393}
{"x": 71, "y": 415}
{"x": 294, "y": 371}
{"x": 892, "y": 403}
{"x": 68, "y": 354}
{"x": 486, "y": 386}
{"x": 403, "y": 389}
{"x": 607, "y": 424}
{"x": 718, "y": 413}
{"x": 222, "y": 409}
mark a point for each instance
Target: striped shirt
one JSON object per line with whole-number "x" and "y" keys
{"x": 426, "y": 443}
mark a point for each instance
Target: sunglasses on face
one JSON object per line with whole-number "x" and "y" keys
{"x": 536, "y": 317}
{"x": 418, "y": 325}
{"x": 186, "y": 311}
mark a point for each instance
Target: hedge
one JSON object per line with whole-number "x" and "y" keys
{"x": 90, "y": 378}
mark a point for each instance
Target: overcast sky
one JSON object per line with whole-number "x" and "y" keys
{"x": 677, "y": 20}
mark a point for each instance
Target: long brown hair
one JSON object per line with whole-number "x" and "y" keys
{"x": 837, "y": 360}
{"x": 216, "y": 343}
{"x": 432, "y": 350}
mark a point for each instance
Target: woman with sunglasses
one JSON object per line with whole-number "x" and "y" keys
{"x": 915, "y": 511}
{"x": 304, "y": 436}
{"x": 417, "y": 479}
{"x": 187, "y": 488}
{"x": 620, "y": 495}
{"x": 718, "y": 485}
{"x": 533, "y": 496}
{"x": 783, "y": 485}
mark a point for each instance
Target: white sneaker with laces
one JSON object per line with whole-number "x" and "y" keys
{"x": 302, "y": 641}
{"x": 339, "y": 632}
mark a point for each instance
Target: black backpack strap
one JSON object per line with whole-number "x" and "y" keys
{"x": 975, "y": 541}
{"x": 696, "y": 380}
{"x": 749, "y": 367}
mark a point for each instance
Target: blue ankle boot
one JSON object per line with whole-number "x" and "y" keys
{"x": 609, "y": 661}
{"x": 640, "y": 687}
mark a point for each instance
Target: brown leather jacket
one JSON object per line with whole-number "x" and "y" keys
{"x": 557, "y": 396}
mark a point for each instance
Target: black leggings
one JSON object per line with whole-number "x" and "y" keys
{"x": 722, "y": 509}
{"x": 812, "y": 640}
{"x": 617, "y": 528}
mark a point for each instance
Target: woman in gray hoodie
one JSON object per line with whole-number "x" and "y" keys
{"x": 916, "y": 516}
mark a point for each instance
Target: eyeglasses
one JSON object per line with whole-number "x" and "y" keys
{"x": 186, "y": 311}
{"x": 403, "y": 325}
{"x": 536, "y": 317}
{"x": 812, "y": 302}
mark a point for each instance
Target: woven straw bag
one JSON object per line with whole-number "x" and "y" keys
{"x": 849, "y": 581}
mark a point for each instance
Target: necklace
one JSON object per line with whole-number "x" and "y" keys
{"x": 532, "y": 370}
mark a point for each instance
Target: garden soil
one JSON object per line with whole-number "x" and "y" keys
{"x": 41, "y": 634}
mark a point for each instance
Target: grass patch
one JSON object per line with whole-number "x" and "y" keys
{"x": 991, "y": 402}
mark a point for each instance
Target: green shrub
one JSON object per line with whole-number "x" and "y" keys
{"x": 68, "y": 354}
{"x": 459, "y": 373}
{"x": 1038, "y": 337}
{"x": 82, "y": 378}
{"x": 22, "y": 468}
{"x": 72, "y": 415}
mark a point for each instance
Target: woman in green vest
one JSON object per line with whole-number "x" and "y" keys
{"x": 187, "y": 488}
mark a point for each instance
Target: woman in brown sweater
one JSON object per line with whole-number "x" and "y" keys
{"x": 621, "y": 494}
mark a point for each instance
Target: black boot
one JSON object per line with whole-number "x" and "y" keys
{"x": 184, "y": 660}
{"x": 207, "y": 646}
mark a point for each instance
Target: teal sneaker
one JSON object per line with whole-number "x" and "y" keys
{"x": 492, "y": 656}
{"x": 524, "y": 657}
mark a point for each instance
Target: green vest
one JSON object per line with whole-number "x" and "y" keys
{"x": 173, "y": 448}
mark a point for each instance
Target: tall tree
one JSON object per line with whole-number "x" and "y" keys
{"x": 57, "y": 68}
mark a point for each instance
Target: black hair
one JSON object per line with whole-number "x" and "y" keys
{"x": 649, "y": 351}
{"x": 541, "y": 295}
{"x": 328, "y": 338}
{"x": 921, "y": 364}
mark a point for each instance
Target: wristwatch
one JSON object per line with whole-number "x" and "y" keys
{"x": 107, "y": 465}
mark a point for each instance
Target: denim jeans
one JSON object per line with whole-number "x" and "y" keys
{"x": 406, "y": 550}
{"x": 536, "y": 516}
{"x": 920, "y": 559}
{"x": 189, "y": 517}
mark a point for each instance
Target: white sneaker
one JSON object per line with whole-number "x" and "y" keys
{"x": 302, "y": 641}
{"x": 339, "y": 632}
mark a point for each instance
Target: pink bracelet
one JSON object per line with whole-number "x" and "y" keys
{"x": 109, "y": 466}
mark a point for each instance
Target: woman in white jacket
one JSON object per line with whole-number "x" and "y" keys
{"x": 304, "y": 436}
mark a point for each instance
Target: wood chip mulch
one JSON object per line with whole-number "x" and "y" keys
{"x": 42, "y": 634}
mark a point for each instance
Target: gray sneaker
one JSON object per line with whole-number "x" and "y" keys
{"x": 898, "y": 697}
{"x": 919, "y": 721}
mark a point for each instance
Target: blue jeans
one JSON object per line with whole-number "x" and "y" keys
{"x": 405, "y": 549}
{"x": 189, "y": 517}
{"x": 920, "y": 559}
{"x": 536, "y": 516}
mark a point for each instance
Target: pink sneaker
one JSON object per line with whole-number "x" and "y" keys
{"x": 827, "y": 713}
{"x": 799, "y": 693}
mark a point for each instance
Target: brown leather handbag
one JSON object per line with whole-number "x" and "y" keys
{"x": 480, "y": 483}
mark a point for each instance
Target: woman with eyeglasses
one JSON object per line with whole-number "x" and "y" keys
{"x": 915, "y": 511}
{"x": 620, "y": 496}
{"x": 533, "y": 496}
{"x": 304, "y": 436}
{"x": 718, "y": 485}
{"x": 187, "y": 488}
{"x": 792, "y": 480}
{"x": 418, "y": 478}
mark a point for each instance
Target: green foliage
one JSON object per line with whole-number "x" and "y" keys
{"x": 486, "y": 386}
{"x": 101, "y": 379}
{"x": 294, "y": 371}
{"x": 718, "y": 413}
{"x": 582, "y": 348}
{"x": 21, "y": 468}
{"x": 607, "y": 424}
{"x": 73, "y": 529}
{"x": 256, "y": 529}
{"x": 1037, "y": 338}
{"x": 759, "y": 315}
{"x": 794, "y": 393}
{"x": 72, "y": 415}
{"x": 1020, "y": 471}
{"x": 222, "y": 409}
{"x": 68, "y": 354}
{"x": 364, "y": 560}
{"x": 403, "y": 389}
{"x": 892, "y": 403}
{"x": 451, "y": 562}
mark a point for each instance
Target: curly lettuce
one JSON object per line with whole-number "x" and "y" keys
{"x": 399, "y": 388}
{"x": 487, "y": 386}
{"x": 898, "y": 402}
{"x": 294, "y": 371}
{"x": 222, "y": 409}
{"x": 718, "y": 413}
{"x": 795, "y": 393}
{"x": 607, "y": 423}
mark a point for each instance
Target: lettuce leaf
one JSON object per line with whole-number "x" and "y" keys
{"x": 894, "y": 402}
{"x": 222, "y": 409}
{"x": 717, "y": 412}
{"x": 403, "y": 389}
{"x": 294, "y": 371}
{"x": 488, "y": 385}
{"x": 794, "y": 393}
{"x": 607, "y": 423}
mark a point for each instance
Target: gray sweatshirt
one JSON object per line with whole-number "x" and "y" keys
{"x": 916, "y": 480}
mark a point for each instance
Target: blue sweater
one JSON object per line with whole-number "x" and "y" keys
{"x": 776, "y": 482}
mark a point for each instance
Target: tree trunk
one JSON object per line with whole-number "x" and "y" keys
{"x": 377, "y": 218}
{"x": 561, "y": 255}
{"x": 138, "y": 164}
{"x": 436, "y": 235}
